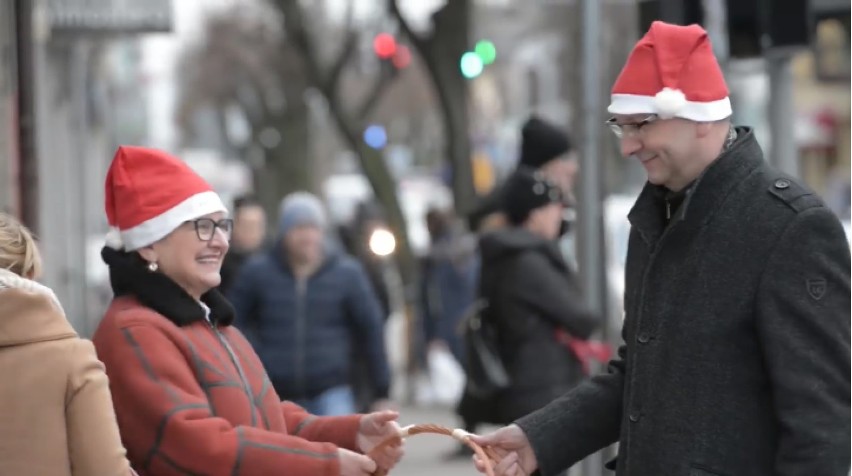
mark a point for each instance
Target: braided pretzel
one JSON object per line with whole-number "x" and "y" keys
{"x": 486, "y": 455}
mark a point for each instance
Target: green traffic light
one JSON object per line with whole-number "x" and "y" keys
{"x": 486, "y": 51}
{"x": 471, "y": 65}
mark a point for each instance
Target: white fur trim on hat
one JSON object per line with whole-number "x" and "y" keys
{"x": 154, "y": 229}
{"x": 694, "y": 111}
{"x": 669, "y": 102}
{"x": 113, "y": 239}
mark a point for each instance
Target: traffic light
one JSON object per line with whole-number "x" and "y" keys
{"x": 386, "y": 48}
{"x": 402, "y": 57}
{"x": 473, "y": 62}
{"x": 486, "y": 51}
{"x": 384, "y": 45}
{"x": 471, "y": 65}
{"x": 753, "y": 25}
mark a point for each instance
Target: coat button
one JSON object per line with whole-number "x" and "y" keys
{"x": 781, "y": 184}
{"x": 643, "y": 338}
{"x": 634, "y": 417}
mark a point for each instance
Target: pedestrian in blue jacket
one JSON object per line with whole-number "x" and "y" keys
{"x": 305, "y": 307}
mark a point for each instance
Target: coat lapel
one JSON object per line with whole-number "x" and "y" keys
{"x": 703, "y": 199}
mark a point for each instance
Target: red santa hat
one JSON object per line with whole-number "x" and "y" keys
{"x": 149, "y": 193}
{"x": 672, "y": 72}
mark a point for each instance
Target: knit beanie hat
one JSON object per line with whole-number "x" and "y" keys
{"x": 541, "y": 142}
{"x": 300, "y": 209}
{"x": 527, "y": 190}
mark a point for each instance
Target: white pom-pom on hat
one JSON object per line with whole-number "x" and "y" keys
{"x": 669, "y": 102}
{"x": 113, "y": 239}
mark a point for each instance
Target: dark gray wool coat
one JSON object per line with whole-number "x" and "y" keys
{"x": 736, "y": 360}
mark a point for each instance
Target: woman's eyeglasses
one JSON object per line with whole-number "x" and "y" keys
{"x": 205, "y": 228}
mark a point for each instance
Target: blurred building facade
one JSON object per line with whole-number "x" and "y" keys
{"x": 75, "y": 81}
{"x": 74, "y": 97}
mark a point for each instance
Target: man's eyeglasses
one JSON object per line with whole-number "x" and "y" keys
{"x": 205, "y": 228}
{"x": 630, "y": 129}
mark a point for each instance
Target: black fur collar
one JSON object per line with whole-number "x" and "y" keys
{"x": 128, "y": 275}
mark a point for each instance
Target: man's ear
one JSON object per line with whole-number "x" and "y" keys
{"x": 148, "y": 254}
{"x": 703, "y": 129}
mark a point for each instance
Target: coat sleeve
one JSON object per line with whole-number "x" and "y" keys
{"x": 363, "y": 309}
{"x": 243, "y": 297}
{"x": 585, "y": 420}
{"x": 168, "y": 425}
{"x": 803, "y": 326}
{"x": 542, "y": 288}
{"x": 340, "y": 430}
{"x": 94, "y": 444}
{"x": 580, "y": 422}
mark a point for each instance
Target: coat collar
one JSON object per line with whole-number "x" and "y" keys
{"x": 506, "y": 242}
{"x": 129, "y": 276}
{"x": 29, "y": 312}
{"x": 704, "y": 197}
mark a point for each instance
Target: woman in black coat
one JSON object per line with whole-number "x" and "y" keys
{"x": 533, "y": 295}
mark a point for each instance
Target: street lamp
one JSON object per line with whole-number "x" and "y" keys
{"x": 382, "y": 242}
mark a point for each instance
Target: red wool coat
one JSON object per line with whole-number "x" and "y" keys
{"x": 192, "y": 397}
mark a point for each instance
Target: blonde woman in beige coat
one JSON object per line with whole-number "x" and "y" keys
{"x": 56, "y": 413}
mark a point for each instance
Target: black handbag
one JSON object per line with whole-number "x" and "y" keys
{"x": 486, "y": 374}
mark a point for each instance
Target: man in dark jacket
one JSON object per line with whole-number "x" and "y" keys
{"x": 736, "y": 355}
{"x": 303, "y": 308}
{"x": 448, "y": 281}
{"x": 248, "y": 238}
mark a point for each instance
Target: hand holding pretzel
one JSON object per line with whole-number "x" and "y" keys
{"x": 510, "y": 448}
{"x": 376, "y": 428}
{"x": 485, "y": 457}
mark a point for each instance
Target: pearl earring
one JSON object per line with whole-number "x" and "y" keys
{"x": 152, "y": 267}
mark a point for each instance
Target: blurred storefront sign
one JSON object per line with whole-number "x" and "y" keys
{"x": 108, "y": 16}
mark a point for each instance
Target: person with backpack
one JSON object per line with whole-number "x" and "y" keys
{"x": 532, "y": 301}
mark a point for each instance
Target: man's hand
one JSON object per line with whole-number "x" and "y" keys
{"x": 353, "y": 464}
{"x": 513, "y": 448}
{"x": 375, "y": 428}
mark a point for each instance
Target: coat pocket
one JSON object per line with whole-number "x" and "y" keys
{"x": 702, "y": 470}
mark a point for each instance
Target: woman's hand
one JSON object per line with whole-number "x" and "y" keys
{"x": 353, "y": 464}
{"x": 375, "y": 428}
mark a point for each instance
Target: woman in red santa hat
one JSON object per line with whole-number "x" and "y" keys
{"x": 190, "y": 394}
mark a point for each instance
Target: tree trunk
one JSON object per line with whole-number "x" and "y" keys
{"x": 288, "y": 167}
{"x": 441, "y": 52}
{"x": 445, "y": 48}
{"x": 372, "y": 162}
{"x": 384, "y": 187}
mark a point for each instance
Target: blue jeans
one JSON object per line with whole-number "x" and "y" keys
{"x": 333, "y": 402}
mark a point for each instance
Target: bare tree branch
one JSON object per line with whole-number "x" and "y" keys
{"x": 372, "y": 99}
{"x": 419, "y": 42}
{"x": 350, "y": 15}
{"x": 294, "y": 25}
{"x": 345, "y": 54}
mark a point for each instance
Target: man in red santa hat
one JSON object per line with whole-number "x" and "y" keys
{"x": 736, "y": 334}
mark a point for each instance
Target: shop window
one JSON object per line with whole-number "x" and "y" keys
{"x": 832, "y": 49}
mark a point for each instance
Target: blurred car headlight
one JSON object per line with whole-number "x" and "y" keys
{"x": 382, "y": 242}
